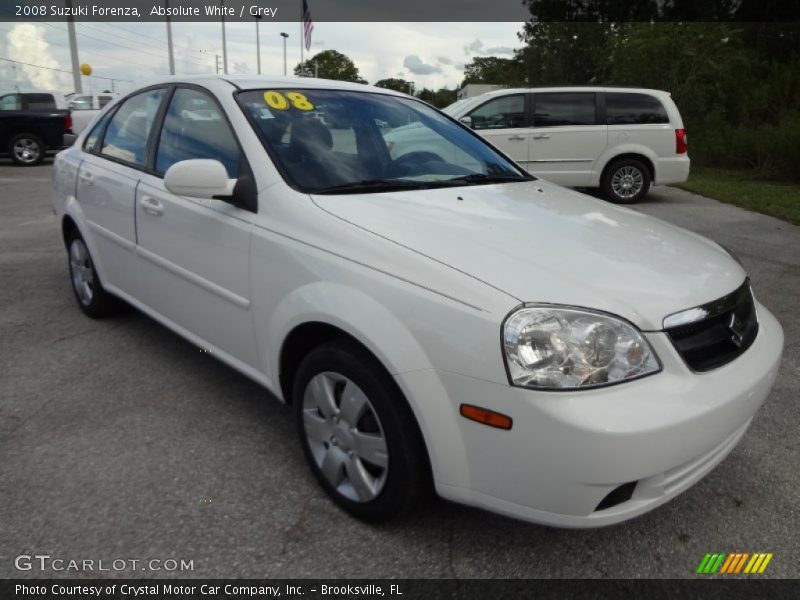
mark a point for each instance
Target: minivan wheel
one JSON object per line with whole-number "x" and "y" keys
{"x": 92, "y": 298}
{"x": 358, "y": 434}
{"x": 626, "y": 181}
{"x": 26, "y": 149}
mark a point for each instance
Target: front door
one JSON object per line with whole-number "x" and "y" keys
{"x": 195, "y": 252}
{"x": 503, "y": 123}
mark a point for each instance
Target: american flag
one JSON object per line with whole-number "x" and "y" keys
{"x": 308, "y": 24}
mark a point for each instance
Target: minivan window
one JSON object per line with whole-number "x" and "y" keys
{"x": 195, "y": 128}
{"x": 333, "y": 141}
{"x": 564, "y": 108}
{"x": 634, "y": 109}
{"x": 501, "y": 113}
{"x": 127, "y": 133}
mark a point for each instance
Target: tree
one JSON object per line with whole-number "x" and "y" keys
{"x": 330, "y": 64}
{"x": 494, "y": 70}
{"x": 439, "y": 98}
{"x": 398, "y": 85}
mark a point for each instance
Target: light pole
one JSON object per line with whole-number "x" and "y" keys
{"x": 284, "y": 36}
{"x": 224, "y": 42}
{"x": 258, "y": 46}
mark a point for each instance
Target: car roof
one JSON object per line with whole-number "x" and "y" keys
{"x": 255, "y": 82}
{"x": 574, "y": 88}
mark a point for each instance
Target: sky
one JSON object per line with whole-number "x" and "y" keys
{"x": 429, "y": 54}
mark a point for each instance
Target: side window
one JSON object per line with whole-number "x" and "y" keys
{"x": 91, "y": 140}
{"x": 634, "y": 109}
{"x": 501, "y": 113}
{"x": 194, "y": 127}
{"x": 40, "y": 101}
{"x": 564, "y": 108}
{"x": 11, "y": 102}
{"x": 127, "y": 133}
{"x": 81, "y": 103}
{"x": 103, "y": 100}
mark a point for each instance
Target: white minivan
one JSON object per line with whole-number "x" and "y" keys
{"x": 621, "y": 140}
{"x": 449, "y": 322}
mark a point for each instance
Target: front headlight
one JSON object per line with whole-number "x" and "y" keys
{"x": 549, "y": 347}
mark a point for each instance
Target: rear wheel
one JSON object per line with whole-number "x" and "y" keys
{"x": 358, "y": 434}
{"x": 92, "y": 298}
{"x": 626, "y": 181}
{"x": 26, "y": 149}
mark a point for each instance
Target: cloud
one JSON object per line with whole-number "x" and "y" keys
{"x": 444, "y": 61}
{"x": 240, "y": 67}
{"x": 474, "y": 47}
{"x": 26, "y": 42}
{"x": 415, "y": 64}
{"x": 500, "y": 50}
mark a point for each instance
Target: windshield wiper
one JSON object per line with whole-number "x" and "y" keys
{"x": 484, "y": 178}
{"x": 372, "y": 185}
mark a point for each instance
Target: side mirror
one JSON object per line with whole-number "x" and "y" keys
{"x": 466, "y": 120}
{"x": 199, "y": 178}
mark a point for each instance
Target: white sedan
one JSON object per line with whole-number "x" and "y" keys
{"x": 440, "y": 319}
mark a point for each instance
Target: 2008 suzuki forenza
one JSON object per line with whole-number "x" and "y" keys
{"x": 436, "y": 318}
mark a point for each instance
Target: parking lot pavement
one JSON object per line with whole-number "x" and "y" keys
{"x": 118, "y": 439}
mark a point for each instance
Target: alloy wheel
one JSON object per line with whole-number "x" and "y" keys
{"x": 27, "y": 150}
{"x": 627, "y": 182}
{"x": 82, "y": 273}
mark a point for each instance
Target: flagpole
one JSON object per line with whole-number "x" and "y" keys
{"x": 302, "y": 39}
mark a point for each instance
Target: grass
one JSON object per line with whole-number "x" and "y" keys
{"x": 748, "y": 190}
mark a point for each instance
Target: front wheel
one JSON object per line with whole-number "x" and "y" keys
{"x": 358, "y": 434}
{"x": 26, "y": 149}
{"x": 626, "y": 181}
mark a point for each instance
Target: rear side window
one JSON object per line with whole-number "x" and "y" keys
{"x": 127, "y": 133}
{"x": 40, "y": 101}
{"x": 501, "y": 113}
{"x": 103, "y": 100}
{"x": 194, "y": 127}
{"x": 91, "y": 140}
{"x": 634, "y": 109}
{"x": 564, "y": 108}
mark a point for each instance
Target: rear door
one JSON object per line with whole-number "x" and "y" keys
{"x": 196, "y": 252}
{"x": 567, "y": 136}
{"x": 503, "y": 121}
{"x": 107, "y": 180}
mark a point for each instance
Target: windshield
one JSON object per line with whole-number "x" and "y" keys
{"x": 330, "y": 141}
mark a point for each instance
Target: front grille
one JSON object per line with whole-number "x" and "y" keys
{"x": 718, "y": 332}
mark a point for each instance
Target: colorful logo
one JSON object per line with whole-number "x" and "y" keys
{"x": 734, "y": 563}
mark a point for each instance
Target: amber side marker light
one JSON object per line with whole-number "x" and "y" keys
{"x": 485, "y": 416}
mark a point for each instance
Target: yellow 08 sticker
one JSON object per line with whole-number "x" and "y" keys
{"x": 280, "y": 101}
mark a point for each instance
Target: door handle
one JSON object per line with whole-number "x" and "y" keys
{"x": 86, "y": 177}
{"x": 541, "y": 137}
{"x": 151, "y": 206}
{"x": 516, "y": 138}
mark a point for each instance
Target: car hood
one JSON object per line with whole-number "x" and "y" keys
{"x": 540, "y": 242}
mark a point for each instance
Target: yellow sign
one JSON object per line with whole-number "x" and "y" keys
{"x": 86, "y": 69}
{"x": 280, "y": 101}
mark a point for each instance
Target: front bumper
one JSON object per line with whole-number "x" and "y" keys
{"x": 567, "y": 450}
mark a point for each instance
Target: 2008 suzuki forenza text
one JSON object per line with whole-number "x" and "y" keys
{"x": 439, "y": 318}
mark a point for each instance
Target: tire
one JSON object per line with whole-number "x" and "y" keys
{"x": 26, "y": 149}
{"x": 92, "y": 298}
{"x": 358, "y": 434}
{"x": 625, "y": 181}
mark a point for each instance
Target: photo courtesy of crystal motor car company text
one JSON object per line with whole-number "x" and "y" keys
{"x": 440, "y": 313}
